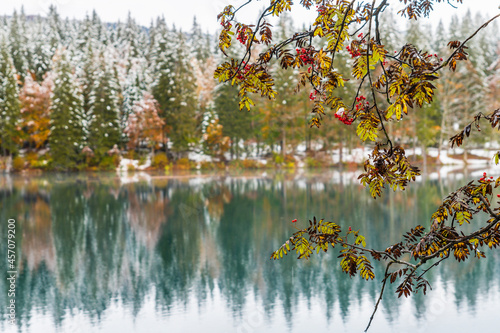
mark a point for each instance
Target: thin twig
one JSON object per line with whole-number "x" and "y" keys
{"x": 462, "y": 45}
{"x": 370, "y": 79}
{"x": 384, "y": 281}
{"x": 433, "y": 265}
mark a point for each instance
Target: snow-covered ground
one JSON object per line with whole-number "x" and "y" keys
{"x": 127, "y": 164}
{"x": 357, "y": 155}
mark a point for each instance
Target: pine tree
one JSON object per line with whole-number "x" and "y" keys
{"x": 103, "y": 118}
{"x": 66, "y": 118}
{"x": 17, "y": 43}
{"x": 199, "y": 44}
{"x": 236, "y": 124}
{"x": 39, "y": 49}
{"x": 133, "y": 91}
{"x": 9, "y": 102}
{"x": 174, "y": 89}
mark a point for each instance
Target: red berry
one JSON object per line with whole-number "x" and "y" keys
{"x": 350, "y": 229}
{"x": 295, "y": 220}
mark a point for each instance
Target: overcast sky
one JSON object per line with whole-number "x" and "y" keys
{"x": 181, "y": 12}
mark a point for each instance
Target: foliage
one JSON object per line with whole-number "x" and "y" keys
{"x": 184, "y": 164}
{"x": 246, "y": 163}
{"x": 390, "y": 88}
{"x": 312, "y": 163}
{"x": 18, "y": 163}
{"x": 35, "y": 108}
{"x": 160, "y": 160}
{"x": 109, "y": 163}
{"x": 215, "y": 143}
{"x": 143, "y": 124}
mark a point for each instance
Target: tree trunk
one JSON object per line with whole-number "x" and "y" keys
{"x": 283, "y": 143}
{"x": 341, "y": 155}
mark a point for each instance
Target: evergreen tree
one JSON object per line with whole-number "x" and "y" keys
{"x": 9, "y": 102}
{"x": 133, "y": 91}
{"x": 236, "y": 124}
{"x": 66, "y": 118}
{"x": 199, "y": 44}
{"x": 17, "y": 43}
{"x": 174, "y": 89}
{"x": 103, "y": 117}
{"x": 39, "y": 49}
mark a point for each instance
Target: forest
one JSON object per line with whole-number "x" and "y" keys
{"x": 83, "y": 94}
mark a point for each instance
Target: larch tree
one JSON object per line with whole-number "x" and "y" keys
{"x": 144, "y": 126}
{"x": 35, "y": 107}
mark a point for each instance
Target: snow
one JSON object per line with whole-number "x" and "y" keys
{"x": 126, "y": 164}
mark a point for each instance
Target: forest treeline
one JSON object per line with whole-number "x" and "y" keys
{"x": 78, "y": 94}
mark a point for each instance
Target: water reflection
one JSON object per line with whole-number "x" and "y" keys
{"x": 168, "y": 248}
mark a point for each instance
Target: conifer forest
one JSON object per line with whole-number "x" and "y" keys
{"x": 77, "y": 94}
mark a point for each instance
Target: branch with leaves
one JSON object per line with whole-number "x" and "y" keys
{"x": 405, "y": 80}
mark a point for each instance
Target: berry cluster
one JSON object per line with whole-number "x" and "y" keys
{"x": 343, "y": 118}
{"x": 435, "y": 55}
{"x": 242, "y": 38}
{"x": 312, "y": 95}
{"x": 353, "y": 53}
{"x": 226, "y": 24}
{"x": 361, "y": 104}
{"x": 241, "y": 74}
{"x": 485, "y": 178}
{"x": 305, "y": 55}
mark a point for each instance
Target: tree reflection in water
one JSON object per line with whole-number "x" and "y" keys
{"x": 87, "y": 243}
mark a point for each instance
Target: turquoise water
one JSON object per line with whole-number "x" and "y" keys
{"x": 146, "y": 253}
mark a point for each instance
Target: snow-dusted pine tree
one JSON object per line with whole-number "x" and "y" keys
{"x": 9, "y": 102}
{"x": 17, "y": 43}
{"x": 103, "y": 126}
{"x": 66, "y": 117}
{"x": 174, "y": 89}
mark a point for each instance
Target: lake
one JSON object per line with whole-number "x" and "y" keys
{"x": 156, "y": 253}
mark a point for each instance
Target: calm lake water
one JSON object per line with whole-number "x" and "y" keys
{"x": 145, "y": 253}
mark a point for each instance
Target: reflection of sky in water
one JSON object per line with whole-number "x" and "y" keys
{"x": 184, "y": 255}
